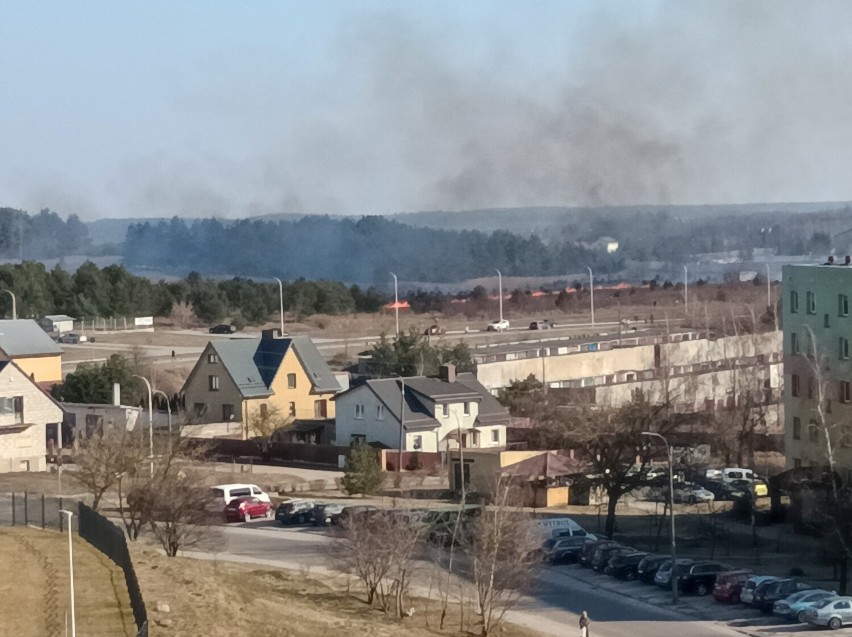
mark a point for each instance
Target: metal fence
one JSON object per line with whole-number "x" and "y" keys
{"x": 35, "y": 509}
{"x": 110, "y": 540}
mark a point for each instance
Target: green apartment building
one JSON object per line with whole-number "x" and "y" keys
{"x": 817, "y": 365}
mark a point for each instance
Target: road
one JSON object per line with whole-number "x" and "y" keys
{"x": 553, "y": 609}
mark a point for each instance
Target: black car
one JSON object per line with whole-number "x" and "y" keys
{"x": 767, "y": 593}
{"x": 563, "y": 550}
{"x": 588, "y": 552}
{"x": 353, "y": 513}
{"x": 222, "y": 329}
{"x": 602, "y": 555}
{"x": 326, "y": 514}
{"x": 647, "y": 568}
{"x": 724, "y": 490}
{"x": 295, "y": 512}
{"x": 699, "y": 578}
{"x": 625, "y": 565}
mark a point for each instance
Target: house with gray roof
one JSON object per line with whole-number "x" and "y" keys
{"x": 38, "y": 356}
{"x": 267, "y": 380}
{"x": 424, "y": 414}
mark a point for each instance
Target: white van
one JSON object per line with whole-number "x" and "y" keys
{"x": 553, "y": 528}
{"x": 735, "y": 473}
{"x": 229, "y": 492}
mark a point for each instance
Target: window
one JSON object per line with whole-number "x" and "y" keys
{"x": 380, "y": 412}
{"x": 13, "y": 406}
{"x": 292, "y": 409}
{"x": 845, "y": 391}
{"x": 417, "y": 443}
{"x": 291, "y": 381}
{"x": 445, "y": 411}
{"x": 227, "y": 412}
{"x": 794, "y": 301}
{"x": 842, "y": 305}
{"x": 213, "y": 358}
{"x": 320, "y": 408}
{"x": 359, "y": 411}
{"x": 813, "y": 431}
{"x": 794, "y": 385}
{"x": 811, "y": 303}
{"x": 264, "y": 410}
{"x": 794, "y": 343}
{"x": 200, "y": 409}
{"x": 495, "y": 435}
{"x": 213, "y": 383}
{"x": 797, "y": 462}
{"x": 797, "y": 428}
{"x": 844, "y": 348}
{"x": 467, "y": 408}
{"x": 811, "y": 387}
{"x": 842, "y": 606}
{"x": 826, "y": 320}
{"x": 357, "y": 439}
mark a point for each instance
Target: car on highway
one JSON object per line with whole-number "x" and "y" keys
{"x": 246, "y": 508}
{"x": 295, "y": 512}
{"x": 751, "y": 585}
{"x": 543, "y": 324}
{"x": 834, "y": 613}
{"x": 72, "y": 339}
{"x": 222, "y": 329}
{"x": 499, "y": 325}
{"x": 563, "y": 550}
{"x": 794, "y": 606}
{"x": 625, "y": 565}
{"x": 729, "y": 586}
{"x": 700, "y": 578}
{"x": 768, "y": 593}
{"x": 647, "y": 568}
{"x": 663, "y": 576}
{"x": 692, "y": 493}
{"x": 326, "y": 514}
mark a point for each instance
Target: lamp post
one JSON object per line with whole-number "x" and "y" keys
{"x": 500, "y": 295}
{"x": 396, "y": 301}
{"x": 685, "y": 289}
{"x": 671, "y": 500}
{"x": 150, "y": 420}
{"x": 71, "y": 572}
{"x": 592, "y": 290}
{"x": 768, "y": 288}
{"x": 280, "y": 306}
{"x": 14, "y": 305}
{"x": 168, "y": 412}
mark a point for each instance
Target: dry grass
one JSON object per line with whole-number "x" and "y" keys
{"x": 223, "y": 599}
{"x": 34, "y": 601}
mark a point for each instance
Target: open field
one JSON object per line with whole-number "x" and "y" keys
{"x": 221, "y": 599}
{"x": 34, "y": 601}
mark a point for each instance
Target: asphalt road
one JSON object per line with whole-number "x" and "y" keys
{"x": 553, "y": 609}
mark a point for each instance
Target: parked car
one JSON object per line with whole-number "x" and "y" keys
{"x": 544, "y": 324}
{"x": 725, "y": 490}
{"x": 663, "y": 576}
{"x": 561, "y": 527}
{"x": 647, "y": 568}
{"x": 735, "y": 473}
{"x": 72, "y": 339}
{"x": 498, "y": 325}
{"x": 588, "y": 552}
{"x": 246, "y": 508}
{"x": 761, "y": 489}
{"x": 295, "y": 512}
{"x": 601, "y": 557}
{"x": 751, "y": 585}
{"x": 700, "y": 578}
{"x": 692, "y": 493}
{"x": 351, "y": 513}
{"x": 768, "y": 593}
{"x": 326, "y": 514}
{"x": 222, "y": 329}
{"x": 228, "y": 492}
{"x": 794, "y": 606}
{"x": 834, "y": 613}
{"x": 729, "y": 586}
{"x": 563, "y": 550}
{"x": 624, "y": 565}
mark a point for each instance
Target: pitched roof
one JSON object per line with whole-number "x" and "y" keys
{"x": 490, "y": 409}
{"x": 389, "y": 392}
{"x": 545, "y": 466}
{"x": 24, "y": 337}
{"x": 441, "y": 391}
{"x": 253, "y": 363}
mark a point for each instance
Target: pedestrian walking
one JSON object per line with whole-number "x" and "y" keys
{"x": 584, "y": 624}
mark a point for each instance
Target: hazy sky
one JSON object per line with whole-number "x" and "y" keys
{"x": 236, "y": 108}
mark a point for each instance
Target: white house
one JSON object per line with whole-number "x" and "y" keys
{"x": 437, "y": 413}
{"x": 26, "y": 412}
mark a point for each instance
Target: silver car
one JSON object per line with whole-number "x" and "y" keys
{"x": 747, "y": 594}
{"x": 794, "y": 607}
{"x": 833, "y": 613}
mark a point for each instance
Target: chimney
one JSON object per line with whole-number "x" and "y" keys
{"x": 830, "y": 261}
{"x": 447, "y": 373}
{"x": 116, "y": 394}
{"x": 848, "y": 260}
{"x": 267, "y": 334}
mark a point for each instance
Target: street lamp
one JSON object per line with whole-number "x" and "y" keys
{"x": 396, "y": 301}
{"x": 768, "y": 288}
{"x": 280, "y": 306}
{"x": 71, "y": 571}
{"x": 671, "y": 499}
{"x": 14, "y": 307}
{"x": 168, "y": 411}
{"x": 150, "y": 421}
{"x": 685, "y": 289}
{"x": 592, "y": 290}
{"x": 500, "y": 295}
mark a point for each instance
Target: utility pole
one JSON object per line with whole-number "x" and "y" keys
{"x": 500, "y": 295}
{"x": 396, "y": 301}
{"x": 686, "y": 290}
{"x": 71, "y": 572}
{"x": 671, "y": 500}
{"x": 592, "y": 291}
{"x": 280, "y": 306}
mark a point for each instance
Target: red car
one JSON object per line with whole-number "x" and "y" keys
{"x": 246, "y": 508}
{"x": 729, "y": 586}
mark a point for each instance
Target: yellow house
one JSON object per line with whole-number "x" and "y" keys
{"x": 237, "y": 380}
{"x": 33, "y": 351}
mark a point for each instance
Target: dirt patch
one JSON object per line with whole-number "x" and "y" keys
{"x": 41, "y": 585}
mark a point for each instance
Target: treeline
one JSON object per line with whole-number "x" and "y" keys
{"x": 112, "y": 291}
{"x": 41, "y": 236}
{"x": 355, "y": 250}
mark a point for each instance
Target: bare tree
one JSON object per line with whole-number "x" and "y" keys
{"x": 103, "y": 457}
{"x": 262, "y": 423}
